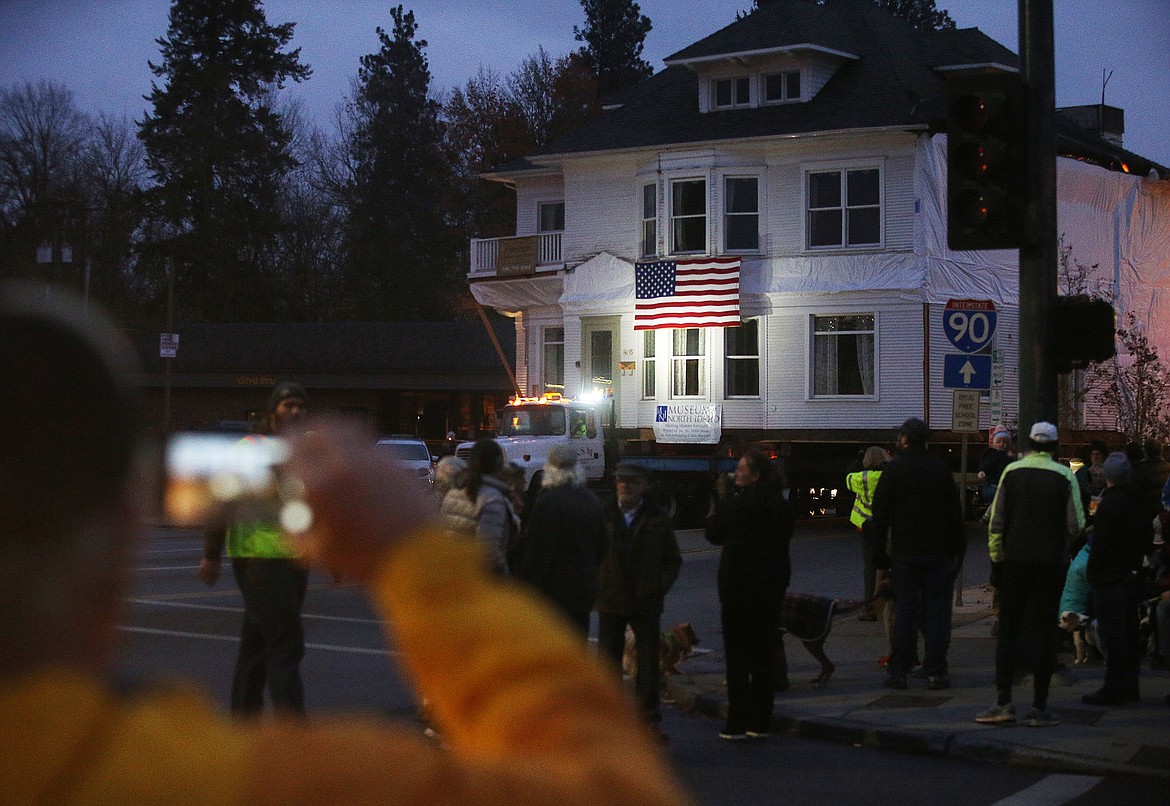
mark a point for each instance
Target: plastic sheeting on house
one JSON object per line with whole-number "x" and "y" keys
{"x": 1116, "y": 222}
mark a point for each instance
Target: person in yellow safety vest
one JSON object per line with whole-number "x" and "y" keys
{"x": 862, "y": 484}
{"x": 273, "y": 583}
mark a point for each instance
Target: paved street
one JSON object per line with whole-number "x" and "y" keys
{"x": 174, "y": 625}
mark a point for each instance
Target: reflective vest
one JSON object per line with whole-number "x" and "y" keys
{"x": 863, "y": 484}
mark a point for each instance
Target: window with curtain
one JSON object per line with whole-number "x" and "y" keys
{"x": 649, "y": 364}
{"x": 742, "y": 359}
{"x": 688, "y": 370}
{"x": 650, "y": 219}
{"x": 688, "y": 216}
{"x": 843, "y": 355}
{"x": 553, "y": 359}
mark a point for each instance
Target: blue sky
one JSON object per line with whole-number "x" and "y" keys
{"x": 100, "y": 49}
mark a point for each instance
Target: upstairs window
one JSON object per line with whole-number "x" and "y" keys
{"x": 742, "y": 367}
{"x": 650, "y": 219}
{"x": 782, "y": 87}
{"x": 552, "y": 217}
{"x": 741, "y": 214}
{"x": 688, "y": 216}
{"x": 844, "y": 208}
{"x": 731, "y": 92}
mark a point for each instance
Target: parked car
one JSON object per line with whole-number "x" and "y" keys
{"x": 409, "y": 455}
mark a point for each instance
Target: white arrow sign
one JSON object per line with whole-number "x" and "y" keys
{"x": 967, "y": 371}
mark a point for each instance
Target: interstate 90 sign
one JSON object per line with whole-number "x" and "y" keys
{"x": 969, "y": 324}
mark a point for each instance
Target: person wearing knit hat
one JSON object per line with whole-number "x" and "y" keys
{"x": 272, "y": 582}
{"x": 995, "y": 459}
{"x": 1121, "y": 537}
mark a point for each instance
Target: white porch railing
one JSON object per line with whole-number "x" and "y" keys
{"x": 485, "y": 251}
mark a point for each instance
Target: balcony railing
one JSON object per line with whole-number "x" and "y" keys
{"x": 485, "y": 252}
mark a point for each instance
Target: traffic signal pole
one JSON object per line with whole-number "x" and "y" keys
{"x": 1038, "y": 250}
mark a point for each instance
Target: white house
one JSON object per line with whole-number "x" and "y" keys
{"x": 798, "y": 140}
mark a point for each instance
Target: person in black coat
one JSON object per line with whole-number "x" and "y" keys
{"x": 916, "y": 509}
{"x": 639, "y": 564}
{"x": 1120, "y": 538}
{"x": 752, "y": 521}
{"x": 564, "y": 535}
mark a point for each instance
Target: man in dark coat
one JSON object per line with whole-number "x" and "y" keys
{"x": 917, "y": 505}
{"x": 564, "y": 534}
{"x": 1120, "y": 538}
{"x": 640, "y": 562}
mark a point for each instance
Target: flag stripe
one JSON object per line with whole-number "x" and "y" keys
{"x": 701, "y": 292}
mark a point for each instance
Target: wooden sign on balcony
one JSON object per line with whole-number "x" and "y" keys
{"x": 517, "y": 255}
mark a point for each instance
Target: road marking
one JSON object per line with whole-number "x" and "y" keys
{"x": 227, "y": 609}
{"x": 1052, "y": 791}
{"x": 191, "y": 550}
{"x": 353, "y": 650}
{"x": 142, "y": 568}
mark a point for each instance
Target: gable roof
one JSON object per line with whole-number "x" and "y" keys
{"x": 889, "y": 78}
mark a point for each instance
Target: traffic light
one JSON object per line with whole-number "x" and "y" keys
{"x": 1082, "y": 330}
{"x": 985, "y": 161}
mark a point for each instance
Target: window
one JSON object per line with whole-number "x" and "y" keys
{"x": 782, "y": 87}
{"x": 844, "y": 208}
{"x": 649, "y": 364}
{"x": 688, "y": 363}
{"x": 582, "y": 424}
{"x": 650, "y": 219}
{"x": 554, "y": 359}
{"x": 741, "y": 213}
{"x": 843, "y": 355}
{"x": 688, "y": 215}
{"x": 742, "y": 363}
{"x": 731, "y": 92}
{"x": 552, "y": 217}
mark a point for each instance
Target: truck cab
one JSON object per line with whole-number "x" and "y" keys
{"x": 527, "y": 428}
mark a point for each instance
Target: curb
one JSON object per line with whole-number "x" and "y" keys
{"x": 689, "y": 699}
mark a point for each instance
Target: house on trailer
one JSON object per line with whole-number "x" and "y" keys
{"x": 758, "y": 232}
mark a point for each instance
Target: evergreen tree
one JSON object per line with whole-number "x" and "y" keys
{"x": 614, "y": 33}
{"x": 218, "y": 150}
{"x": 402, "y": 262}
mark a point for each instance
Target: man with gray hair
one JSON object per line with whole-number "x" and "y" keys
{"x": 564, "y": 534}
{"x": 1120, "y": 537}
{"x": 1035, "y": 515}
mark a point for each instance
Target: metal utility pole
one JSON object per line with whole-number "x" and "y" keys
{"x": 1038, "y": 253}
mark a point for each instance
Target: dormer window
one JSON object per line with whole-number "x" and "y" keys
{"x": 779, "y": 87}
{"x": 731, "y": 92}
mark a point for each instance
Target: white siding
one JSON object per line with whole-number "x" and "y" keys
{"x": 530, "y": 193}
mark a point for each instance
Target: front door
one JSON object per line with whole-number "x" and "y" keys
{"x": 599, "y": 363}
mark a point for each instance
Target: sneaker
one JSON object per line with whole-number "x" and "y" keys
{"x": 917, "y": 670}
{"x": 937, "y": 682}
{"x": 1040, "y": 719}
{"x": 729, "y": 736}
{"x": 895, "y": 682}
{"x": 997, "y": 715}
{"x": 758, "y": 734}
{"x": 883, "y": 661}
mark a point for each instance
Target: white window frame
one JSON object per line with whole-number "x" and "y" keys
{"x": 734, "y": 84}
{"x": 844, "y": 208}
{"x": 682, "y": 362}
{"x": 785, "y": 95}
{"x": 649, "y": 233}
{"x": 548, "y": 340}
{"x": 649, "y": 364}
{"x": 673, "y": 219}
{"x": 874, "y": 369}
{"x": 728, "y": 359}
{"x": 727, "y": 214}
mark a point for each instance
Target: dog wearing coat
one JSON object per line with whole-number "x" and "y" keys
{"x": 810, "y": 618}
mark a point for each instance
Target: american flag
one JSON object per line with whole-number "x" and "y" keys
{"x": 693, "y": 292}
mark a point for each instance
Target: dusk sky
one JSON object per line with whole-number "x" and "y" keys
{"x": 100, "y": 49}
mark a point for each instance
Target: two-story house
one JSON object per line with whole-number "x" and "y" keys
{"x": 800, "y": 142}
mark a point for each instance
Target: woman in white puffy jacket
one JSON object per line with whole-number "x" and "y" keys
{"x": 480, "y": 508}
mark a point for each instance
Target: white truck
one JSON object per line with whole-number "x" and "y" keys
{"x": 527, "y": 428}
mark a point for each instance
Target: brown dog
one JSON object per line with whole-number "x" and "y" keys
{"x": 810, "y": 618}
{"x": 674, "y": 645}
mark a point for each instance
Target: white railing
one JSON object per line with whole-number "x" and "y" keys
{"x": 485, "y": 251}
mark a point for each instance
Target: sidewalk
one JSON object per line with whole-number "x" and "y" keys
{"x": 856, "y": 709}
